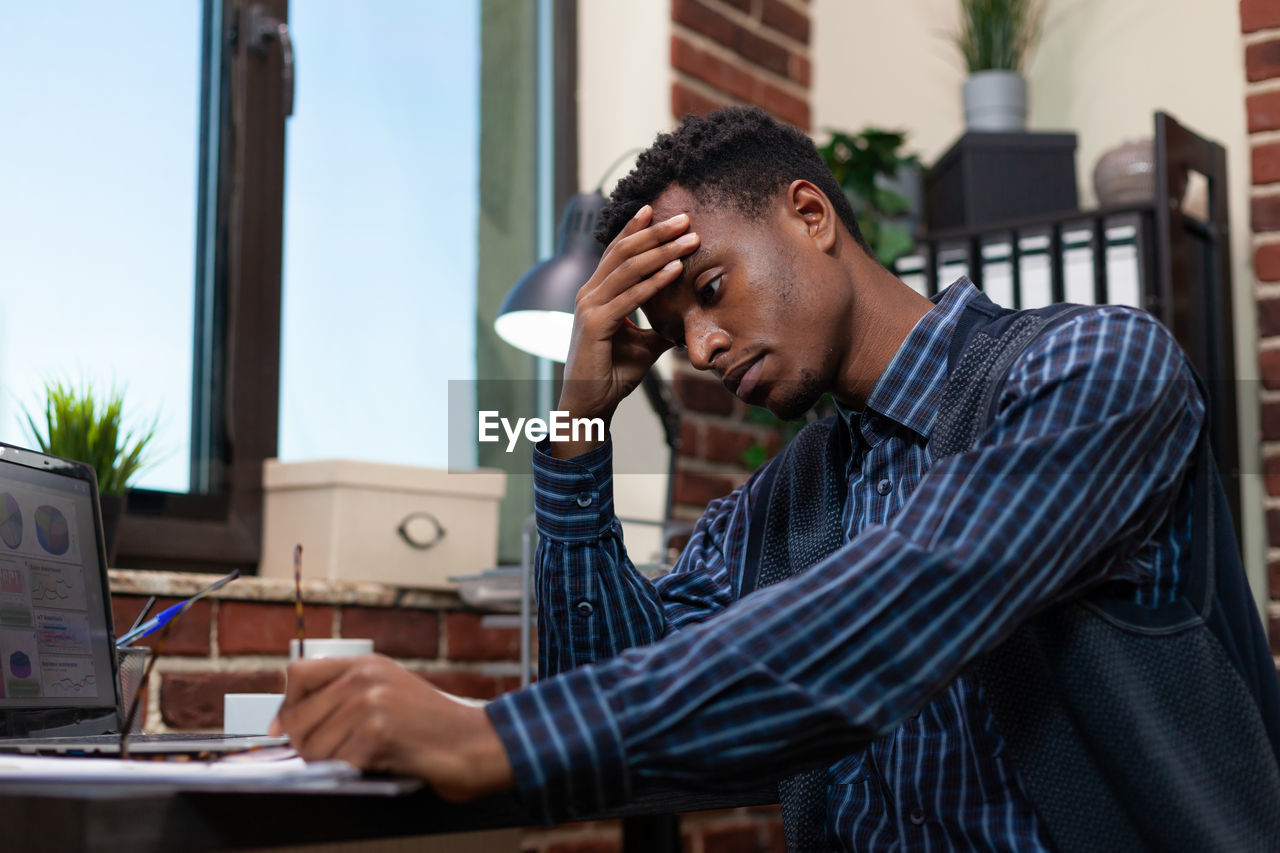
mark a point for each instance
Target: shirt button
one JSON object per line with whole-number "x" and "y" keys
{"x": 917, "y": 815}
{"x": 883, "y": 487}
{"x": 584, "y": 500}
{"x": 584, "y": 608}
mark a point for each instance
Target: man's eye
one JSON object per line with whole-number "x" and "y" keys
{"x": 709, "y": 290}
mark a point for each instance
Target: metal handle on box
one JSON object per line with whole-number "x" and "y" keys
{"x": 422, "y": 545}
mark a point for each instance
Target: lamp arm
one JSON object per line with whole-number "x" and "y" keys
{"x": 664, "y": 404}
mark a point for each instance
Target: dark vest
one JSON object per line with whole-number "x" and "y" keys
{"x": 1132, "y": 728}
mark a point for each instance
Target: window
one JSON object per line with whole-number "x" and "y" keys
{"x": 151, "y": 220}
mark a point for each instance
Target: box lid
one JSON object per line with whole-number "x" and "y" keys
{"x": 480, "y": 483}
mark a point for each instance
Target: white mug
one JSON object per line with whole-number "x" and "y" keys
{"x": 249, "y": 713}
{"x": 330, "y": 647}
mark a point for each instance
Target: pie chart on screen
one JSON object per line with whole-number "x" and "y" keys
{"x": 10, "y": 521}
{"x": 20, "y": 665}
{"x": 51, "y": 530}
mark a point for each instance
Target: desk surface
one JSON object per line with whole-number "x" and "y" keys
{"x": 95, "y": 819}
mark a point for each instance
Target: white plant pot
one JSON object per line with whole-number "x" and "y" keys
{"x": 995, "y": 101}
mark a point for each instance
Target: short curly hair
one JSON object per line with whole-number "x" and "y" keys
{"x": 740, "y": 156}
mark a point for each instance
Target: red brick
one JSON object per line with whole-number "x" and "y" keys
{"x": 687, "y": 101}
{"x": 703, "y": 394}
{"x": 1268, "y": 317}
{"x": 194, "y": 700}
{"x": 743, "y": 6}
{"x": 702, "y": 19}
{"x": 1265, "y": 213}
{"x": 1262, "y": 60}
{"x": 728, "y": 443}
{"x": 1273, "y": 634}
{"x": 1269, "y": 366}
{"x": 1273, "y": 527}
{"x": 468, "y": 639}
{"x": 690, "y": 438}
{"x": 1266, "y": 163}
{"x": 731, "y": 839}
{"x": 1259, "y": 15}
{"x": 736, "y": 81}
{"x": 189, "y": 634}
{"x": 1264, "y": 111}
{"x": 476, "y": 685}
{"x": 697, "y": 489}
{"x": 785, "y": 106}
{"x": 1266, "y": 262}
{"x": 1271, "y": 474}
{"x": 265, "y": 628}
{"x": 786, "y": 20}
{"x": 800, "y": 69}
{"x": 1271, "y": 421}
{"x": 1273, "y": 575}
{"x": 396, "y": 632}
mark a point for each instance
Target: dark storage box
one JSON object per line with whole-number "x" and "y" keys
{"x": 993, "y": 177}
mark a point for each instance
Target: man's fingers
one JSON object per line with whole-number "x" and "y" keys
{"x": 628, "y": 300}
{"x": 309, "y": 686}
{"x": 637, "y": 255}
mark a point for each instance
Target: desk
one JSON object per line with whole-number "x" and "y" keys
{"x": 96, "y": 819}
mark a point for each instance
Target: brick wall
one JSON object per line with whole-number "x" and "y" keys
{"x": 1260, "y": 26}
{"x": 237, "y": 640}
{"x": 730, "y": 52}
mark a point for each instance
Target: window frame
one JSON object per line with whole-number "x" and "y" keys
{"x": 236, "y": 369}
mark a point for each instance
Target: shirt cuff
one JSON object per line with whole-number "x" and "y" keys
{"x": 564, "y": 746}
{"x": 573, "y": 497}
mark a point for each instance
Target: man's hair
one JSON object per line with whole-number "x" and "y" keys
{"x": 736, "y": 156}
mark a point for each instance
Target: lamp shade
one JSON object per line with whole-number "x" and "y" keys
{"x": 537, "y": 315}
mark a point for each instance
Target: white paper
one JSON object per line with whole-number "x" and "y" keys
{"x": 277, "y": 766}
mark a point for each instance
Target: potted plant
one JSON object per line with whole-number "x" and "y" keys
{"x": 995, "y": 37}
{"x": 883, "y": 185}
{"x": 83, "y": 425}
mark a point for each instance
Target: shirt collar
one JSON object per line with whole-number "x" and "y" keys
{"x": 910, "y": 389}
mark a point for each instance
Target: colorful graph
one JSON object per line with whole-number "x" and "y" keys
{"x": 10, "y": 521}
{"x": 51, "y": 530}
{"x": 20, "y": 665}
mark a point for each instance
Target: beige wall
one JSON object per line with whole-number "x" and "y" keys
{"x": 1102, "y": 70}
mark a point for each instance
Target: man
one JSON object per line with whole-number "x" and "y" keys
{"x": 858, "y": 661}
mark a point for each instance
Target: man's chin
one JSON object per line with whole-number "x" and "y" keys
{"x": 788, "y": 404}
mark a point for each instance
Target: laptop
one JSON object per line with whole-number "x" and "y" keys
{"x": 60, "y": 688}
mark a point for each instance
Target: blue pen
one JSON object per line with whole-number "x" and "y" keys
{"x": 165, "y": 616}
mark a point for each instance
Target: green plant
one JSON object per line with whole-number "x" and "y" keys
{"x": 81, "y": 425}
{"x": 856, "y": 161}
{"x": 997, "y": 35}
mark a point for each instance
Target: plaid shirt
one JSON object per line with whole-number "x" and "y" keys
{"x": 859, "y": 662}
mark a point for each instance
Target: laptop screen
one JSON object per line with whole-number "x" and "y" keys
{"x": 55, "y": 636}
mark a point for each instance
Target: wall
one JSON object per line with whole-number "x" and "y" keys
{"x": 1102, "y": 69}
{"x": 1260, "y": 23}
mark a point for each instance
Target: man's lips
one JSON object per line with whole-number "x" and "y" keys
{"x": 743, "y": 382}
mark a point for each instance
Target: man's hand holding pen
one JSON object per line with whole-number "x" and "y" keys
{"x": 376, "y": 715}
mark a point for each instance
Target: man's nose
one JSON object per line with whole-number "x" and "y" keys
{"x": 705, "y": 343}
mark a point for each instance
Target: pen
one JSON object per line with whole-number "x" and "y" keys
{"x": 164, "y": 616}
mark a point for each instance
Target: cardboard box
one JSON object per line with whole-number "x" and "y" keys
{"x": 368, "y": 521}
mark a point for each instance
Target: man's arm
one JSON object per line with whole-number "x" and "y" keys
{"x": 1081, "y": 467}
{"x": 592, "y": 602}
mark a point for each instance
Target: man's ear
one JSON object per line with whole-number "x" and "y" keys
{"x": 815, "y": 211}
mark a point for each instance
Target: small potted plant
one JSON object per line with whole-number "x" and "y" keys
{"x": 82, "y": 425}
{"x": 995, "y": 37}
{"x": 883, "y": 185}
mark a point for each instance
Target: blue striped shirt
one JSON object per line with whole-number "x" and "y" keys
{"x": 859, "y": 662}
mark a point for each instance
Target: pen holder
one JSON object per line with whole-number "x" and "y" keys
{"x": 132, "y": 662}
